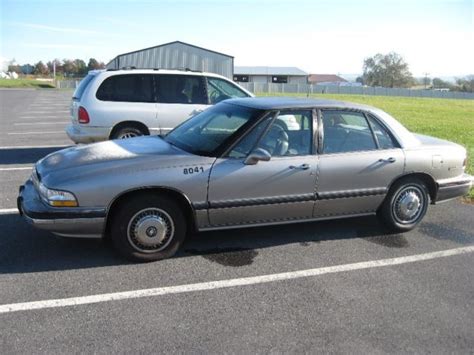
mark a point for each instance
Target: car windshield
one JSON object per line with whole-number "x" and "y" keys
{"x": 204, "y": 133}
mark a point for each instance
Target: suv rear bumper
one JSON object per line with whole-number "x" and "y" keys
{"x": 87, "y": 134}
{"x": 67, "y": 221}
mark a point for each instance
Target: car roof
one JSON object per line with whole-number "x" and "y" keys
{"x": 279, "y": 103}
{"x": 404, "y": 137}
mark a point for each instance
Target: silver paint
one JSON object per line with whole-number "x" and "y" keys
{"x": 330, "y": 186}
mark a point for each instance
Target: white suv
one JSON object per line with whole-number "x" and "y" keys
{"x": 114, "y": 104}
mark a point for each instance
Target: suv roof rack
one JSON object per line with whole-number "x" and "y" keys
{"x": 195, "y": 71}
{"x": 180, "y": 69}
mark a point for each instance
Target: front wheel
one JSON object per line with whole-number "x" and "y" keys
{"x": 405, "y": 205}
{"x": 148, "y": 228}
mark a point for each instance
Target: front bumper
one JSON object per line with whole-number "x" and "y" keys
{"x": 87, "y": 134}
{"x": 78, "y": 222}
{"x": 452, "y": 188}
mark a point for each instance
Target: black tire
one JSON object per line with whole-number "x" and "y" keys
{"x": 148, "y": 228}
{"x": 127, "y": 132}
{"x": 405, "y": 205}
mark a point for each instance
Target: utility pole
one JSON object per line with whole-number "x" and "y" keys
{"x": 426, "y": 80}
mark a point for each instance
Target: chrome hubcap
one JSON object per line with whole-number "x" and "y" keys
{"x": 150, "y": 230}
{"x": 128, "y": 135}
{"x": 408, "y": 204}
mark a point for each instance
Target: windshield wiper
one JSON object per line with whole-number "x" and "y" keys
{"x": 167, "y": 141}
{"x": 177, "y": 146}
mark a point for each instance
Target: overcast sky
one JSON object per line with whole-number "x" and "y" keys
{"x": 434, "y": 36}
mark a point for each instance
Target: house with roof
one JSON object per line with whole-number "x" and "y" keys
{"x": 263, "y": 74}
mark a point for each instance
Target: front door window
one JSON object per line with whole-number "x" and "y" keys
{"x": 279, "y": 189}
{"x": 219, "y": 90}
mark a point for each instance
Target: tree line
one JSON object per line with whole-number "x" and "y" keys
{"x": 65, "y": 67}
{"x": 385, "y": 70}
{"x": 392, "y": 71}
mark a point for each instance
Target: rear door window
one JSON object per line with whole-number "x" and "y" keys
{"x": 219, "y": 90}
{"x": 127, "y": 88}
{"x": 384, "y": 138}
{"x": 346, "y": 131}
{"x": 180, "y": 89}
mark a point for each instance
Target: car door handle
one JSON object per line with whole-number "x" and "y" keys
{"x": 388, "y": 160}
{"x": 300, "y": 167}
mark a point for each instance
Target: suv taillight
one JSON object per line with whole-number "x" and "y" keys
{"x": 83, "y": 115}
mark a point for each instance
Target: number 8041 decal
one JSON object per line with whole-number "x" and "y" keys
{"x": 195, "y": 170}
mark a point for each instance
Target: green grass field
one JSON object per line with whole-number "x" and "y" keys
{"x": 25, "y": 83}
{"x": 443, "y": 118}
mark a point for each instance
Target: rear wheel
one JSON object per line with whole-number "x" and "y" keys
{"x": 127, "y": 132}
{"x": 148, "y": 228}
{"x": 405, "y": 205}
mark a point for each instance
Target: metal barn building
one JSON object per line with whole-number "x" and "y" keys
{"x": 277, "y": 75}
{"x": 176, "y": 55}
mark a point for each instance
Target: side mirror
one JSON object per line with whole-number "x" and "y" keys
{"x": 257, "y": 155}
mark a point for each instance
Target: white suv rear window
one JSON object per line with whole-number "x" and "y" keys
{"x": 82, "y": 86}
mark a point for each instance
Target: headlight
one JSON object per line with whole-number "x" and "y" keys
{"x": 57, "y": 198}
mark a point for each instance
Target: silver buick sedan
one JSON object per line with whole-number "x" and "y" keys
{"x": 239, "y": 164}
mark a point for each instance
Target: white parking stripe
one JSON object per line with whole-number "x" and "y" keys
{"x": 246, "y": 281}
{"x": 35, "y": 146}
{"x": 23, "y": 133}
{"x": 17, "y": 168}
{"x": 42, "y": 104}
{"x": 48, "y": 111}
{"x": 43, "y": 117}
{"x": 8, "y": 210}
{"x": 39, "y": 123}
{"x": 48, "y": 103}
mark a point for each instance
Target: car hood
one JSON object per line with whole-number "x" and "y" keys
{"x": 78, "y": 161}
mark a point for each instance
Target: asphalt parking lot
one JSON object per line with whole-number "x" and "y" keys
{"x": 337, "y": 286}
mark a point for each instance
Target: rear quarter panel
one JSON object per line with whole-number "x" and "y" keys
{"x": 440, "y": 161}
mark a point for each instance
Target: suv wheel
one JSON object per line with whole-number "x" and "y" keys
{"x": 127, "y": 132}
{"x": 148, "y": 228}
